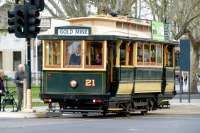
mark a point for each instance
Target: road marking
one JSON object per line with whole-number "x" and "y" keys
{"x": 132, "y": 129}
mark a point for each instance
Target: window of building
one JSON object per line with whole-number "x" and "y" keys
{"x": 1, "y": 60}
{"x": 52, "y": 53}
{"x": 94, "y": 55}
{"x": 16, "y": 59}
{"x": 72, "y": 53}
{"x": 140, "y": 53}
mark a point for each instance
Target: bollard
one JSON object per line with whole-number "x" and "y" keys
{"x": 29, "y": 100}
{"x": 24, "y": 95}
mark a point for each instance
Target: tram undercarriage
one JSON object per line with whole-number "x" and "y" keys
{"x": 124, "y": 105}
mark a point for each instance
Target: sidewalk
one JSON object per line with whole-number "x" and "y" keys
{"x": 177, "y": 108}
{"x": 37, "y": 112}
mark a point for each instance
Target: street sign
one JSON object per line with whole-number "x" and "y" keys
{"x": 185, "y": 55}
{"x": 185, "y": 63}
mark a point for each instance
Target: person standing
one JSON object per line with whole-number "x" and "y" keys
{"x": 2, "y": 88}
{"x": 19, "y": 80}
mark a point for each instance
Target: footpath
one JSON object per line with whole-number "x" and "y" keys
{"x": 183, "y": 108}
{"x": 176, "y": 108}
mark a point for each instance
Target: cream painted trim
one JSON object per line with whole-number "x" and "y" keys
{"x": 135, "y": 54}
{"x": 62, "y": 53}
{"x": 73, "y": 69}
{"x": 43, "y": 54}
{"x": 83, "y": 53}
{"x": 143, "y": 87}
{"x": 118, "y": 44}
{"x": 169, "y": 87}
{"x": 153, "y": 66}
{"x": 107, "y": 18}
{"x": 105, "y": 53}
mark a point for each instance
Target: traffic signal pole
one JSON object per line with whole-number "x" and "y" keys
{"x": 29, "y": 61}
{"x": 28, "y": 92}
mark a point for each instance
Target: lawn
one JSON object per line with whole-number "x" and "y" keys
{"x": 35, "y": 91}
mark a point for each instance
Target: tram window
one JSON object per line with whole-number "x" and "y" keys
{"x": 72, "y": 53}
{"x": 123, "y": 54}
{"x": 153, "y": 54}
{"x": 119, "y": 25}
{"x": 140, "y": 53}
{"x": 133, "y": 26}
{"x": 130, "y": 51}
{"x": 169, "y": 59}
{"x": 94, "y": 54}
{"x": 158, "y": 54}
{"x": 52, "y": 53}
{"x": 146, "y": 53}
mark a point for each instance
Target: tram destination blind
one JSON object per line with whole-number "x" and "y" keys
{"x": 73, "y": 31}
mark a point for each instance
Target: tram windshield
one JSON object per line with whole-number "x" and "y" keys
{"x": 72, "y": 53}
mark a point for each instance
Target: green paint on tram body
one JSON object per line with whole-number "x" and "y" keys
{"x": 87, "y": 82}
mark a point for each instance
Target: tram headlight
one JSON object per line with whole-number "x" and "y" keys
{"x": 73, "y": 83}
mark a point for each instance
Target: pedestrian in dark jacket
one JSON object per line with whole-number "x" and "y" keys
{"x": 19, "y": 80}
{"x": 2, "y": 89}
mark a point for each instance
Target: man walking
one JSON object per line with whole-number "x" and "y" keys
{"x": 19, "y": 80}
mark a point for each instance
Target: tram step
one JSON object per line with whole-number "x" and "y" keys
{"x": 115, "y": 109}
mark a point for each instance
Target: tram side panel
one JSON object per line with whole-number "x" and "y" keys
{"x": 148, "y": 80}
{"x": 142, "y": 81}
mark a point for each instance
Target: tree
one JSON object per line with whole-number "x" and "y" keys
{"x": 184, "y": 14}
{"x": 81, "y": 8}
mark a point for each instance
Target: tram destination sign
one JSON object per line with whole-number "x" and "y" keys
{"x": 73, "y": 31}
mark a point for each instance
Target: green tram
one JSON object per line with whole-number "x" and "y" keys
{"x": 86, "y": 72}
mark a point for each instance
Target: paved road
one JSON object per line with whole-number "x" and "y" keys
{"x": 152, "y": 123}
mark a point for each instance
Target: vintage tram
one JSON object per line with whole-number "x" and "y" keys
{"x": 106, "y": 64}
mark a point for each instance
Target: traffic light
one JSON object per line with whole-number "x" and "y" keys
{"x": 11, "y": 21}
{"x": 33, "y": 21}
{"x": 24, "y": 19}
{"x": 19, "y": 21}
{"x": 16, "y": 21}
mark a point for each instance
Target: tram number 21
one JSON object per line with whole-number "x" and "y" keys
{"x": 89, "y": 82}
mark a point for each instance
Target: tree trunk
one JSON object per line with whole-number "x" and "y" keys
{"x": 194, "y": 67}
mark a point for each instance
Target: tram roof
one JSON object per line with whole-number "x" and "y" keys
{"x": 102, "y": 38}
